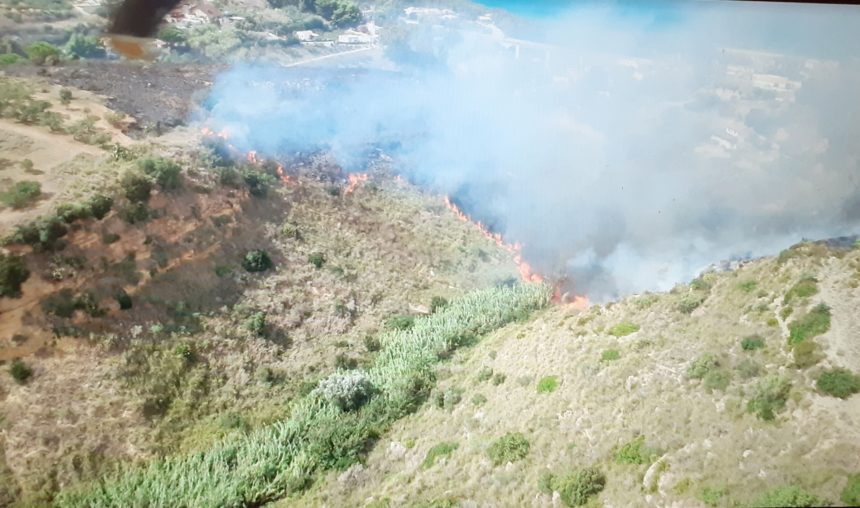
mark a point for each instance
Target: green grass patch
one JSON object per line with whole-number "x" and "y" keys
{"x": 284, "y": 457}
{"x": 635, "y": 452}
{"x": 691, "y": 302}
{"x": 511, "y": 447}
{"x": 787, "y": 496}
{"x": 441, "y": 450}
{"x": 807, "y": 287}
{"x": 703, "y": 364}
{"x": 813, "y": 324}
{"x": 712, "y": 496}
{"x": 547, "y": 384}
{"x": 623, "y": 328}
{"x": 21, "y": 372}
{"x": 717, "y": 379}
{"x": 610, "y": 355}
{"x": 838, "y": 382}
{"x": 748, "y": 286}
{"x": 851, "y": 493}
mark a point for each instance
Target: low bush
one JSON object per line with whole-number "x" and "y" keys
{"x": 635, "y": 452}
{"x": 347, "y": 390}
{"x": 576, "y": 488}
{"x": 769, "y": 397}
{"x": 437, "y": 303}
{"x": 123, "y": 299}
{"x": 400, "y": 323}
{"x": 838, "y": 382}
{"x": 257, "y": 183}
{"x": 449, "y": 398}
{"x": 813, "y": 324}
{"x": 623, "y": 328}
{"x": 748, "y": 368}
{"x": 479, "y": 399}
{"x": 807, "y": 287}
{"x": 372, "y": 344}
{"x": 134, "y": 213}
{"x": 100, "y": 206}
{"x": 257, "y": 261}
{"x": 700, "y": 284}
{"x": 712, "y": 496}
{"x": 22, "y": 194}
{"x": 441, "y": 450}
{"x": 717, "y": 379}
{"x": 65, "y": 96}
{"x": 317, "y": 259}
{"x": 700, "y": 367}
{"x": 787, "y": 497}
{"x": 70, "y": 212}
{"x": 806, "y": 354}
{"x": 498, "y": 378}
{"x": 166, "y": 173}
{"x": 511, "y": 447}
{"x": 691, "y": 302}
{"x": 20, "y": 371}
{"x": 41, "y": 53}
{"x": 547, "y": 384}
{"x": 137, "y": 187}
{"x": 10, "y": 58}
{"x": 752, "y": 342}
{"x": 748, "y": 286}
{"x": 42, "y": 235}
{"x": 484, "y": 374}
{"x": 13, "y": 273}
{"x": 851, "y": 493}
{"x": 256, "y": 324}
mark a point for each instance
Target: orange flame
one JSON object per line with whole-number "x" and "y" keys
{"x": 355, "y": 179}
{"x": 526, "y": 272}
{"x": 283, "y": 175}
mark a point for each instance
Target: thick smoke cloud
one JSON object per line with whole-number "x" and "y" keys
{"x": 629, "y": 149}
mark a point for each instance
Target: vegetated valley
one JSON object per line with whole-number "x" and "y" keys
{"x": 182, "y": 324}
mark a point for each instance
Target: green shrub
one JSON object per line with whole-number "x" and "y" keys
{"x": 511, "y": 447}
{"x": 257, "y": 261}
{"x": 700, "y": 367}
{"x": 256, "y": 324}
{"x": 223, "y": 271}
{"x": 635, "y": 452}
{"x": 547, "y": 384}
{"x": 712, "y": 496}
{"x": 166, "y": 173}
{"x": 70, "y": 212}
{"x": 437, "y": 303}
{"x": 806, "y": 354}
{"x": 752, "y": 342}
{"x": 838, "y": 382}
{"x": 787, "y": 496}
{"x": 43, "y": 234}
{"x": 22, "y": 194}
{"x": 485, "y": 374}
{"x": 609, "y": 355}
{"x": 479, "y": 399}
{"x": 317, "y": 259}
{"x": 258, "y": 183}
{"x": 9, "y": 59}
{"x": 400, "y": 322}
{"x": 100, "y": 205}
{"x": 441, "y": 450}
{"x": 748, "y": 286}
{"x": 748, "y": 368}
{"x": 137, "y": 187}
{"x": 577, "y": 488}
{"x": 20, "y": 371}
{"x": 123, "y": 299}
{"x": 807, "y": 287}
{"x": 65, "y": 96}
{"x": 769, "y": 397}
{"x": 109, "y": 238}
{"x": 172, "y": 35}
{"x": 623, "y": 328}
{"x": 498, "y": 378}
{"x": 228, "y": 177}
{"x": 347, "y": 390}
{"x": 134, "y": 213}
{"x": 372, "y": 344}
{"x": 813, "y": 324}
{"x": 700, "y": 284}
{"x": 717, "y": 379}
{"x": 13, "y": 273}
{"x": 691, "y": 302}
{"x": 42, "y": 52}
{"x": 851, "y": 493}
{"x": 84, "y": 46}
{"x": 449, "y": 398}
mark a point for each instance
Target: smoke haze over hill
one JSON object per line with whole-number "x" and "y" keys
{"x": 628, "y": 149}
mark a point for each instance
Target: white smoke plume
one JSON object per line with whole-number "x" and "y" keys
{"x": 625, "y": 147}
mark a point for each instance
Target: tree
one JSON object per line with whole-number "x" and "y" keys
{"x": 42, "y": 52}
{"x": 13, "y": 273}
{"x": 136, "y": 187}
{"x": 83, "y": 46}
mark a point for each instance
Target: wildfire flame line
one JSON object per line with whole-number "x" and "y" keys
{"x": 355, "y": 179}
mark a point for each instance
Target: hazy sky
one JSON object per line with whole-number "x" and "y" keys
{"x": 636, "y": 149}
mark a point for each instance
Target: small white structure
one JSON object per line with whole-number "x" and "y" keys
{"x": 306, "y": 35}
{"x": 354, "y": 37}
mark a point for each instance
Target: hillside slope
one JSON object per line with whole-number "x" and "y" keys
{"x": 706, "y": 395}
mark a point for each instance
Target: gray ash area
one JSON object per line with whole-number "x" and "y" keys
{"x": 158, "y": 95}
